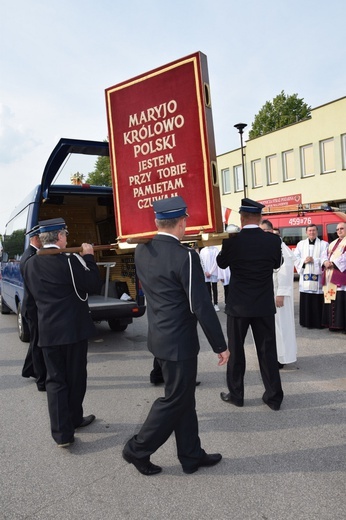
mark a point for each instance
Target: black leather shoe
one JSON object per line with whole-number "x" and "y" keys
{"x": 66, "y": 444}
{"x": 28, "y": 374}
{"x": 86, "y": 421}
{"x": 143, "y": 466}
{"x": 231, "y": 400}
{"x": 156, "y": 380}
{"x": 272, "y": 406}
{"x": 280, "y": 365}
{"x": 41, "y": 388}
{"x": 206, "y": 460}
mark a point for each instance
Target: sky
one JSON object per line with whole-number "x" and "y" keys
{"x": 57, "y": 57}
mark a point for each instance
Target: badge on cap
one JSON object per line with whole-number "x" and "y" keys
{"x": 251, "y": 206}
{"x": 174, "y": 207}
{"x": 53, "y": 224}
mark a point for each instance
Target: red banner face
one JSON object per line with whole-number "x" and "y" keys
{"x": 158, "y": 147}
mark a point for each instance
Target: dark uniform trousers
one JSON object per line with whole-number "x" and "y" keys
{"x": 66, "y": 387}
{"x": 34, "y": 365}
{"x": 175, "y": 412}
{"x": 263, "y": 329}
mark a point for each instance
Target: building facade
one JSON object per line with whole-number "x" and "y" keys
{"x": 303, "y": 163}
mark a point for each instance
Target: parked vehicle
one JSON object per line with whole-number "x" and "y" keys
{"x": 89, "y": 214}
{"x": 292, "y": 224}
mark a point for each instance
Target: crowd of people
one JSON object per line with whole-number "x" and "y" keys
{"x": 322, "y": 284}
{"x": 322, "y": 280}
{"x": 256, "y": 270}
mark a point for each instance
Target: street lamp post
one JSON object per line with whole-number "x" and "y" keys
{"x": 240, "y": 127}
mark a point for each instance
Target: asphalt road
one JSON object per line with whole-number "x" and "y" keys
{"x": 276, "y": 465}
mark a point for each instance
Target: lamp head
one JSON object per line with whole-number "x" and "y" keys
{"x": 240, "y": 127}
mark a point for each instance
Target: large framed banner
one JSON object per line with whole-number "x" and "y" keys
{"x": 161, "y": 143}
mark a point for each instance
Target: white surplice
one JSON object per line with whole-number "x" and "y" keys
{"x": 285, "y": 329}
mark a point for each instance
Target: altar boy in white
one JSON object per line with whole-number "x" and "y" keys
{"x": 285, "y": 330}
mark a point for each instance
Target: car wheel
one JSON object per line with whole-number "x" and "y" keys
{"x": 23, "y": 329}
{"x": 117, "y": 325}
{"x": 4, "y": 308}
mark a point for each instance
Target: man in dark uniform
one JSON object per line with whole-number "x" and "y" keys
{"x": 177, "y": 299}
{"x": 60, "y": 284}
{"x": 34, "y": 365}
{"x": 251, "y": 255}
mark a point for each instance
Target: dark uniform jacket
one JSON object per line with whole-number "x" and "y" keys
{"x": 29, "y": 309}
{"x": 59, "y": 285}
{"x": 173, "y": 280}
{"x": 251, "y": 255}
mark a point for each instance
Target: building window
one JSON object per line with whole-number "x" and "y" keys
{"x": 226, "y": 181}
{"x": 343, "y": 144}
{"x": 328, "y": 155}
{"x": 256, "y": 169}
{"x": 288, "y": 165}
{"x": 272, "y": 169}
{"x": 238, "y": 178}
{"x": 307, "y": 160}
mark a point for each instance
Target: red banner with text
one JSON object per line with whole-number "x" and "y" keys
{"x": 161, "y": 144}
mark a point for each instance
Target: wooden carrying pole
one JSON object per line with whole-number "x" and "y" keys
{"x": 77, "y": 249}
{"x": 208, "y": 239}
{"x": 145, "y": 240}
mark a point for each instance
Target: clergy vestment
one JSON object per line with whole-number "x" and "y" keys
{"x": 310, "y": 282}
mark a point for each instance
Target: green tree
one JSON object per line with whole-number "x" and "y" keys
{"x": 283, "y": 110}
{"x": 14, "y": 244}
{"x": 101, "y": 176}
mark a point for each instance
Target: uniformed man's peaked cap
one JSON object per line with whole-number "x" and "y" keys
{"x": 33, "y": 232}
{"x": 53, "y": 224}
{"x": 251, "y": 206}
{"x": 174, "y": 207}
